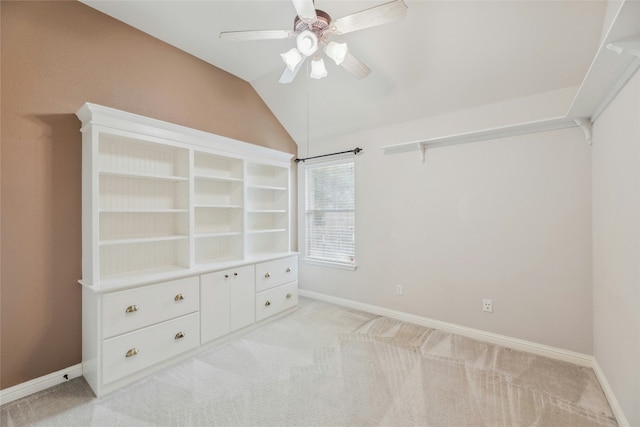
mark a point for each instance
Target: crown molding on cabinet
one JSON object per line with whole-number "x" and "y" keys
{"x": 110, "y": 117}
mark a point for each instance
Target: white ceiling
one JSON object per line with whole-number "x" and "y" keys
{"x": 444, "y": 56}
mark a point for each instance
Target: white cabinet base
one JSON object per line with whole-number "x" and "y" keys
{"x": 131, "y": 333}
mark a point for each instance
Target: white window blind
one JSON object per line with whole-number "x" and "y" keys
{"x": 330, "y": 212}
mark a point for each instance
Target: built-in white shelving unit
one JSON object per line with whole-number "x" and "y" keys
{"x": 178, "y": 226}
{"x": 161, "y": 200}
{"x": 616, "y": 61}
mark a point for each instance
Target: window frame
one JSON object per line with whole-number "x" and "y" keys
{"x": 304, "y": 214}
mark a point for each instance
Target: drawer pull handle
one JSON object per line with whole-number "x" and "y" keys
{"x": 179, "y": 335}
{"x": 235, "y": 274}
{"x": 179, "y": 297}
{"x": 131, "y": 352}
{"x": 289, "y": 295}
{"x": 267, "y": 275}
{"x": 267, "y": 304}
{"x": 226, "y": 276}
{"x": 288, "y": 270}
{"x": 131, "y": 309}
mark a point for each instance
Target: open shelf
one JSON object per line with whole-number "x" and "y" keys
{"x": 266, "y": 242}
{"x": 141, "y": 240}
{"x": 482, "y": 135}
{"x": 210, "y": 166}
{"x": 120, "y": 152}
{"x": 267, "y": 176}
{"x": 218, "y": 220}
{"x": 123, "y": 226}
{"x": 216, "y": 178}
{"x": 266, "y": 187}
{"x": 171, "y": 178}
{"x": 210, "y": 249}
{"x": 125, "y": 193}
{"x": 268, "y": 230}
{"x": 616, "y": 61}
{"x": 218, "y": 193}
{"x": 141, "y": 256}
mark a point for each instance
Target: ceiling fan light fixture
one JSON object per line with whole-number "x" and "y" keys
{"x": 307, "y": 43}
{"x": 336, "y": 51}
{"x": 292, "y": 58}
{"x": 318, "y": 69}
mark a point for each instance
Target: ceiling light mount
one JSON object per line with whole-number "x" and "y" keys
{"x": 307, "y": 43}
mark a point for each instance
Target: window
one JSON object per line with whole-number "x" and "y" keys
{"x": 330, "y": 213}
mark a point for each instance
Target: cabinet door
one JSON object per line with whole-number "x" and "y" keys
{"x": 242, "y": 297}
{"x": 228, "y": 301}
{"x": 214, "y": 309}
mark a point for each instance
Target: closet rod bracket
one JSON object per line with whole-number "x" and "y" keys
{"x": 585, "y": 124}
{"x": 628, "y": 47}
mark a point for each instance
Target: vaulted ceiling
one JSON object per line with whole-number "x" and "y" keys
{"x": 444, "y": 56}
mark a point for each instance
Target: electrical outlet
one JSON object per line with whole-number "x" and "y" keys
{"x": 399, "y": 290}
{"x": 487, "y": 305}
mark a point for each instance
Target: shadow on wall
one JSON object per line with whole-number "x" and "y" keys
{"x": 59, "y": 332}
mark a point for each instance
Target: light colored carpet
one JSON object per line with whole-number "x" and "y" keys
{"x": 326, "y": 365}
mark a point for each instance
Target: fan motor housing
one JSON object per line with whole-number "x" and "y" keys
{"x": 319, "y": 26}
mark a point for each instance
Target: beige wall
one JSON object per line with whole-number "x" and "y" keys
{"x": 55, "y": 57}
{"x": 507, "y": 219}
{"x": 616, "y": 247}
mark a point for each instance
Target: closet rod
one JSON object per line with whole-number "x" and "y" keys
{"x": 354, "y": 151}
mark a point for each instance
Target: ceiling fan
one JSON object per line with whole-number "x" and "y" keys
{"x": 313, "y": 28}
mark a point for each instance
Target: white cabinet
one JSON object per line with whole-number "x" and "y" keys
{"x": 160, "y": 200}
{"x": 276, "y": 286}
{"x": 276, "y": 300}
{"x": 175, "y": 224}
{"x": 132, "y": 352}
{"x": 276, "y": 272}
{"x": 136, "y": 308}
{"x": 227, "y": 299}
{"x": 127, "y": 331}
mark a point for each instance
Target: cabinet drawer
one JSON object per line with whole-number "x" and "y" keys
{"x": 132, "y": 309}
{"x": 129, "y": 353}
{"x": 275, "y": 300}
{"x": 273, "y": 273}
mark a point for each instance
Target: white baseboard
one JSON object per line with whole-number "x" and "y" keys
{"x": 611, "y": 397}
{"x": 38, "y": 384}
{"x": 505, "y": 341}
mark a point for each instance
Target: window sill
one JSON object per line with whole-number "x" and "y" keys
{"x": 351, "y": 267}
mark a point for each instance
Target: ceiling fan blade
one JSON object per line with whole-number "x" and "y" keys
{"x": 288, "y": 76}
{"x": 256, "y": 35}
{"x": 305, "y": 9}
{"x": 377, "y": 15}
{"x": 355, "y": 66}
